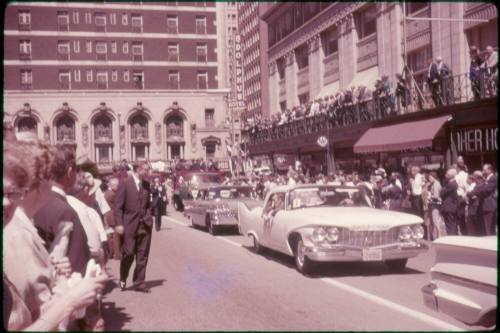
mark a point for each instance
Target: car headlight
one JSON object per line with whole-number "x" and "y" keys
{"x": 319, "y": 235}
{"x": 405, "y": 233}
{"x": 418, "y": 231}
{"x": 332, "y": 234}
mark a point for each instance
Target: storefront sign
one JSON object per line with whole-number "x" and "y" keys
{"x": 240, "y": 98}
{"x": 475, "y": 140}
{"x": 322, "y": 141}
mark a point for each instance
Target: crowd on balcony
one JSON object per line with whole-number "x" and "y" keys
{"x": 361, "y": 103}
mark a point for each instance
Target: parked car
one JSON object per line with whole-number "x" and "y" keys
{"x": 464, "y": 279}
{"x": 216, "y": 206}
{"x": 326, "y": 223}
{"x": 186, "y": 185}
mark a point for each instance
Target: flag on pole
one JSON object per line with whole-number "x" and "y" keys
{"x": 229, "y": 149}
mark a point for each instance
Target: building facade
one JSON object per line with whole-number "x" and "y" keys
{"x": 118, "y": 80}
{"x": 254, "y": 45}
{"x": 319, "y": 48}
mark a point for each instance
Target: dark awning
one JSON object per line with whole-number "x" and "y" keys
{"x": 409, "y": 135}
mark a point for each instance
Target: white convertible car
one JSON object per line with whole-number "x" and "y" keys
{"x": 326, "y": 223}
{"x": 464, "y": 279}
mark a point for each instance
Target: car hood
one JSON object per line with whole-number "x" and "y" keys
{"x": 353, "y": 218}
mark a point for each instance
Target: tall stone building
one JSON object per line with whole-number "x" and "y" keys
{"x": 254, "y": 46}
{"x": 118, "y": 80}
{"x": 319, "y": 48}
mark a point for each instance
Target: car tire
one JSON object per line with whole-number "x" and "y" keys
{"x": 303, "y": 264}
{"x": 396, "y": 265}
{"x": 256, "y": 247}
{"x": 212, "y": 229}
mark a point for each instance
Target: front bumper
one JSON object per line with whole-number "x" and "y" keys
{"x": 347, "y": 253}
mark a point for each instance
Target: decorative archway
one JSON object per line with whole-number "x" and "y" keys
{"x": 65, "y": 129}
{"x": 27, "y": 119}
{"x": 101, "y": 123}
{"x": 138, "y": 124}
{"x": 176, "y": 130}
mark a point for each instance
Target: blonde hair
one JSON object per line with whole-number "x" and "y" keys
{"x": 28, "y": 163}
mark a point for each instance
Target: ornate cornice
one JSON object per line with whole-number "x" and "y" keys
{"x": 336, "y": 14}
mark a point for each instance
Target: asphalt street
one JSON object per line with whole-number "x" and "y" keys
{"x": 202, "y": 282}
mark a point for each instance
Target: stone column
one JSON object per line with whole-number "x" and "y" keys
{"x": 292, "y": 99}
{"x": 316, "y": 67}
{"x": 348, "y": 51}
{"x": 274, "y": 104}
{"x": 169, "y": 152}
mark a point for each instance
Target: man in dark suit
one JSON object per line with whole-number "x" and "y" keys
{"x": 449, "y": 198}
{"x": 158, "y": 202}
{"x": 437, "y": 78}
{"x": 132, "y": 209}
{"x": 487, "y": 194}
{"x": 57, "y": 223}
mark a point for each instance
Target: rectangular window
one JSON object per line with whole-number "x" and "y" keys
{"x": 101, "y": 50}
{"x": 367, "y": 23}
{"x": 124, "y": 19}
{"x": 125, "y": 47}
{"x": 62, "y": 21}
{"x": 201, "y": 24}
{"x": 172, "y": 24}
{"x": 113, "y": 47}
{"x": 24, "y": 20}
{"x": 88, "y": 18}
{"x": 330, "y": 41}
{"x": 304, "y": 98}
{"x": 202, "y": 80}
{"x": 76, "y": 75}
{"x": 137, "y": 51}
{"x": 173, "y": 79}
{"x": 26, "y": 79}
{"x": 100, "y": 22}
{"x": 136, "y": 20}
{"x": 209, "y": 118}
{"x": 63, "y": 50}
{"x": 173, "y": 52}
{"x": 76, "y": 17}
{"x": 76, "y": 46}
{"x": 114, "y": 75}
{"x": 112, "y": 18}
{"x": 138, "y": 77}
{"x": 88, "y": 46}
{"x": 25, "y": 49}
{"x": 89, "y": 75}
{"x": 126, "y": 76}
{"x": 64, "y": 79}
{"x": 280, "y": 64}
{"x": 302, "y": 56}
{"x": 201, "y": 52}
{"x": 102, "y": 79}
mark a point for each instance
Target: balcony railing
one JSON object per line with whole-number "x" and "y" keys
{"x": 451, "y": 91}
{"x": 25, "y": 56}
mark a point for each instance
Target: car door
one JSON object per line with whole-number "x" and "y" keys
{"x": 277, "y": 231}
{"x": 271, "y": 229}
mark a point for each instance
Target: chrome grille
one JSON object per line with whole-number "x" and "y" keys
{"x": 364, "y": 238}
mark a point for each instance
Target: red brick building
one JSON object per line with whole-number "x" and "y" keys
{"x": 143, "y": 77}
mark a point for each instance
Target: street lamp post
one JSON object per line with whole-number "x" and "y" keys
{"x": 119, "y": 137}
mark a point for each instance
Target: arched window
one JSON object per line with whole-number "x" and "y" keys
{"x": 103, "y": 129}
{"x": 175, "y": 126}
{"x": 27, "y": 124}
{"x": 139, "y": 127}
{"x": 65, "y": 129}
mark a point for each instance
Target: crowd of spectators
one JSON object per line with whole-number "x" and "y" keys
{"x": 451, "y": 202}
{"x": 359, "y": 104}
{"x": 54, "y": 240}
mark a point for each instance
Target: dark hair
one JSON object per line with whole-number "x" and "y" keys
{"x": 63, "y": 161}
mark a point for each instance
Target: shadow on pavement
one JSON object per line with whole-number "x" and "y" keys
{"x": 154, "y": 283}
{"x": 114, "y": 317}
{"x": 337, "y": 269}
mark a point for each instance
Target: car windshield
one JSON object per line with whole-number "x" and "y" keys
{"x": 203, "y": 178}
{"x": 325, "y": 197}
{"x": 230, "y": 193}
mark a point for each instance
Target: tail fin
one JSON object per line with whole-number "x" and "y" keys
{"x": 243, "y": 214}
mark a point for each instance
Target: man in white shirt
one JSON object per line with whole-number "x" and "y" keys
{"x": 461, "y": 179}
{"x": 416, "y": 182}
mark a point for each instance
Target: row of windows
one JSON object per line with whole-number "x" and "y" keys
{"x": 100, "y": 21}
{"x": 253, "y": 87}
{"x": 251, "y": 41}
{"x": 67, "y": 76}
{"x": 101, "y": 49}
{"x": 253, "y": 103}
{"x": 252, "y": 71}
{"x": 250, "y": 25}
{"x": 252, "y": 56}
{"x": 248, "y": 10}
